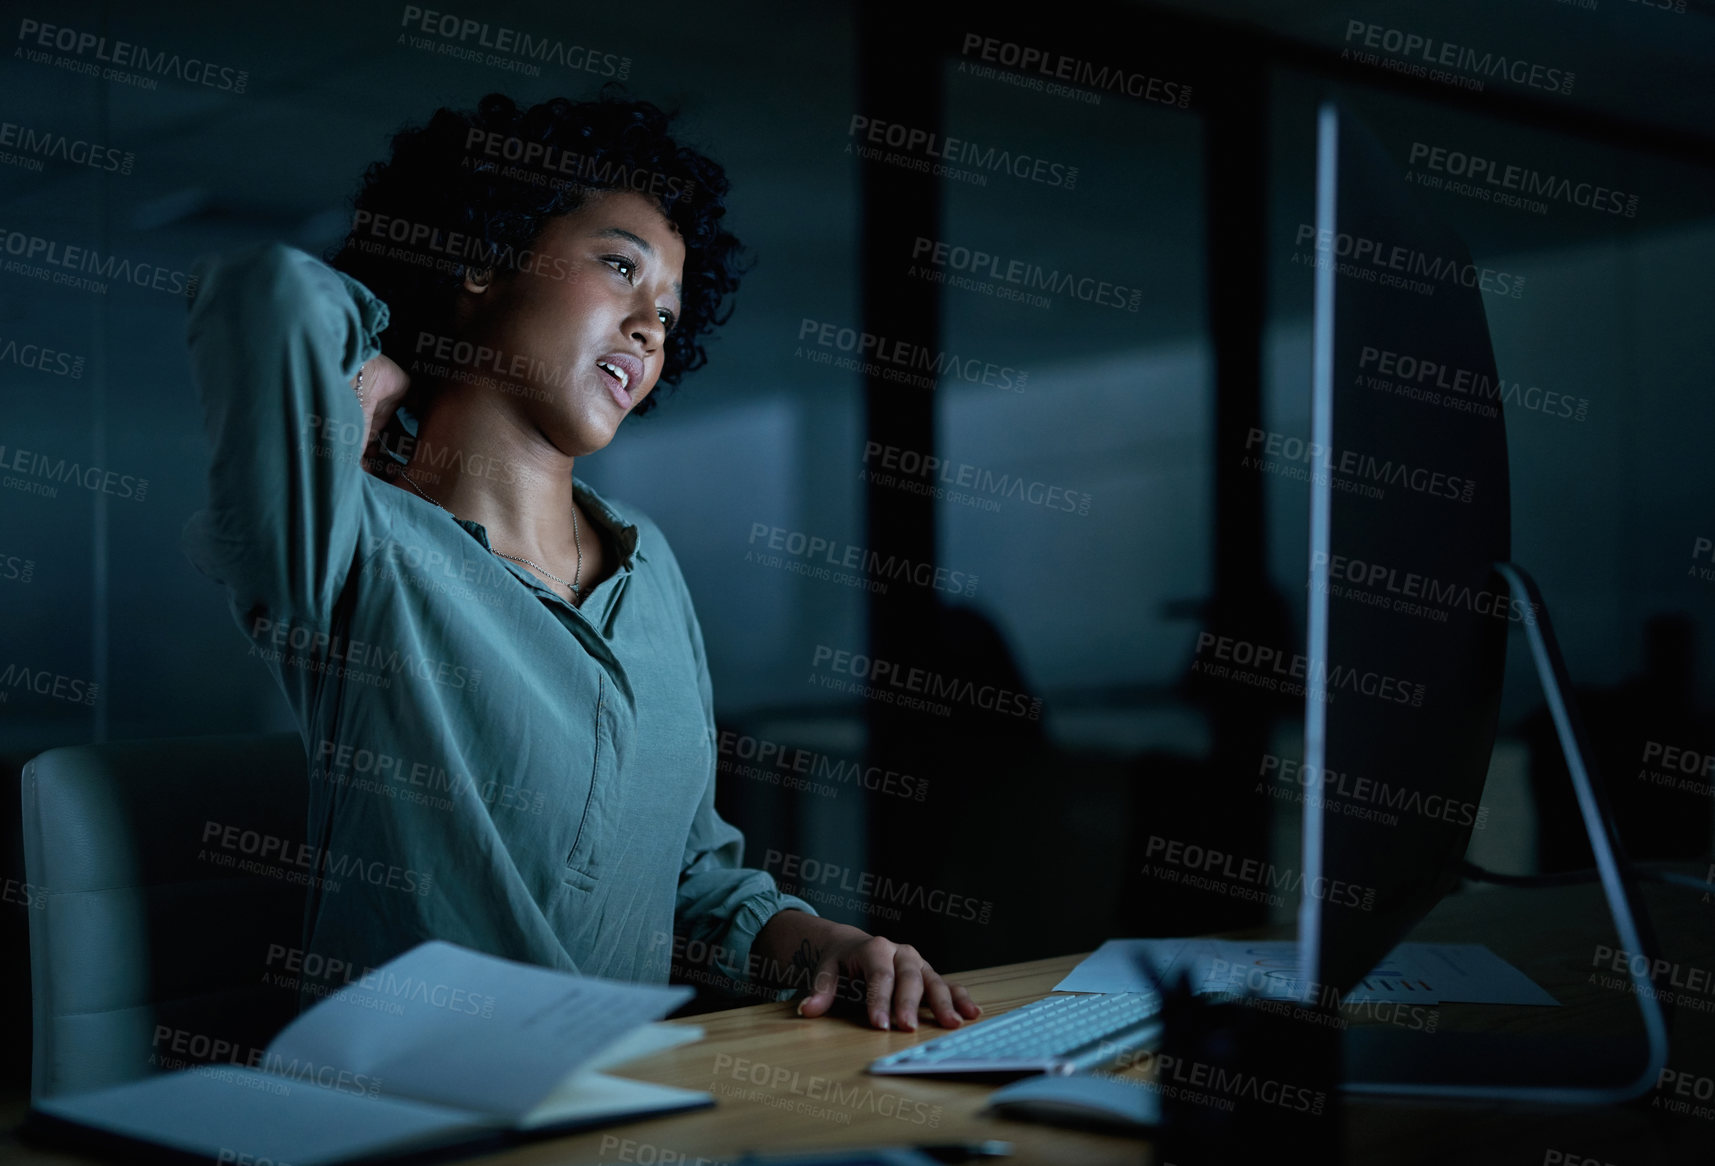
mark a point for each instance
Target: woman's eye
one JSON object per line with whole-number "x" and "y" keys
{"x": 668, "y": 319}
{"x": 619, "y": 261}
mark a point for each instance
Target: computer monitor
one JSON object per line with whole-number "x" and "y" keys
{"x": 1409, "y": 512}
{"x": 1411, "y": 599}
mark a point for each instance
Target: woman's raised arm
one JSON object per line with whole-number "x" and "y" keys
{"x": 276, "y": 337}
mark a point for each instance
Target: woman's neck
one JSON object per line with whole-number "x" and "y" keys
{"x": 487, "y": 464}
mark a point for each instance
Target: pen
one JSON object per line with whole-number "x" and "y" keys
{"x": 965, "y": 1151}
{"x": 939, "y": 1151}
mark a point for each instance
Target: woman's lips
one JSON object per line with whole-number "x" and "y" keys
{"x": 622, "y": 373}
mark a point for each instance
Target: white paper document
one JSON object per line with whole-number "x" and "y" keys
{"x": 1417, "y": 973}
{"x": 439, "y": 1047}
{"x": 244, "y": 1111}
{"x": 448, "y": 1025}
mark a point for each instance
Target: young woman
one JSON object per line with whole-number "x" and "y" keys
{"x": 498, "y": 674}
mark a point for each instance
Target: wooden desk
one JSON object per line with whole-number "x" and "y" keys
{"x": 801, "y": 1083}
{"x": 783, "y": 1082}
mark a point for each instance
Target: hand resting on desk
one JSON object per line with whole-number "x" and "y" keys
{"x": 842, "y": 962}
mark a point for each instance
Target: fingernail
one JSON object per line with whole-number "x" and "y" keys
{"x": 801, "y": 1004}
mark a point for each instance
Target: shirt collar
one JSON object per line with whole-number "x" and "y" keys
{"x": 625, "y": 535}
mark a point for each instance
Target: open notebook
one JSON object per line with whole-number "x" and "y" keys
{"x": 440, "y": 1047}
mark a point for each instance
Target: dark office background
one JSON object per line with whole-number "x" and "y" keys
{"x": 1096, "y": 613}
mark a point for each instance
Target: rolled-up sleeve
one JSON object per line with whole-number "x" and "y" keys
{"x": 720, "y": 901}
{"x": 275, "y": 337}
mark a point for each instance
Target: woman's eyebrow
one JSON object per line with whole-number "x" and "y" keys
{"x": 622, "y": 233}
{"x": 642, "y": 243}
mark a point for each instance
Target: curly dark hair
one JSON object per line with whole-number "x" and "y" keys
{"x": 473, "y": 190}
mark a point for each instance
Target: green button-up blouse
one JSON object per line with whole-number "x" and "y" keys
{"x": 489, "y": 765}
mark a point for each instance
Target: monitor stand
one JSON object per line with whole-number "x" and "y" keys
{"x": 1544, "y": 1068}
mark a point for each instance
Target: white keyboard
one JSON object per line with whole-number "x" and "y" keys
{"x": 1062, "y": 1033}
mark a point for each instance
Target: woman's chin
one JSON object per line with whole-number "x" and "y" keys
{"x": 591, "y": 435}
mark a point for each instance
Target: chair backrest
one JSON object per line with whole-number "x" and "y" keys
{"x": 174, "y": 899}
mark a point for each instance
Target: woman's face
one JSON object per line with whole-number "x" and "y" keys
{"x": 583, "y": 317}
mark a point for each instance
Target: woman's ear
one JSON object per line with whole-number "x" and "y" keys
{"x": 478, "y": 279}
